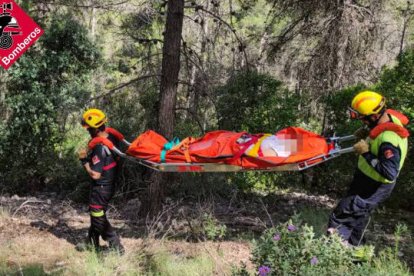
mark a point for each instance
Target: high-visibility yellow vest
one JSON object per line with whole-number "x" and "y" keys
{"x": 387, "y": 136}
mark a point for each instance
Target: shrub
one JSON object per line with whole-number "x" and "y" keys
{"x": 44, "y": 87}
{"x": 212, "y": 228}
{"x": 256, "y": 103}
{"x": 292, "y": 249}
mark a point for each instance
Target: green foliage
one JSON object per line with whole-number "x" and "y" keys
{"x": 212, "y": 228}
{"x": 315, "y": 217}
{"x": 397, "y": 84}
{"x": 109, "y": 264}
{"x": 401, "y": 230}
{"x": 33, "y": 270}
{"x": 204, "y": 226}
{"x": 256, "y": 103}
{"x": 264, "y": 182}
{"x": 337, "y": 111}
{"x": 292, "y": 249}
{"x": 240, "y": 271}
{"x": 164, "y": 263}
{"x": 46, "y": 85}
{"x": 127, "y": 114}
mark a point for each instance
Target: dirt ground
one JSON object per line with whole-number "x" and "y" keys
{"x": 58, "y": 225}
{"x": 43, "y": 228}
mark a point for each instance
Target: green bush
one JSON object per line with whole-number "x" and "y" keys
{"x": 213, "y": 230}
{"x": 293, "y": 249}
{"x": 46, "y": 85}
{"x": 256, "y": 103}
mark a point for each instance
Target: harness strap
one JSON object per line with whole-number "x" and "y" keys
{"x": 245, "y": 146}
{"x": 168, "y": 146}
{"x": 184, "y": 145}
{"x": 401, "y": 131}
{"x": 403, "y": 119}
{"x": 118, "y": 135}
{"x": 110, "y": 166}
{"x": 100, "y": 140}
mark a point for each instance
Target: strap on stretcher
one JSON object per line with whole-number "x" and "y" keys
{"x": 219, "y": 167}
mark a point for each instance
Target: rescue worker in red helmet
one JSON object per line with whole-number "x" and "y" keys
{"x": 101, "y": 165}
{"x": 381, "y": 157}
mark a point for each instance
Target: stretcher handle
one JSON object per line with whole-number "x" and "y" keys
{"x": 346, "y": 150}
{"x": 347, "y": 138}
{"x": 126, "y": 142}
{"x": 342, "y": 139}
{"x": 120, "y": 153}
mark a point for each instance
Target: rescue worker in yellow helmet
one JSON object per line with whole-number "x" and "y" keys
{"x": 381, "y": 157}
{"x": 101, "y": 165}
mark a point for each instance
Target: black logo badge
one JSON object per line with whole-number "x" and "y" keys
{"x": 9, "y": 26}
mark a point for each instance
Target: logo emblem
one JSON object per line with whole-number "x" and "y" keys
{"x": 95, "y": 160}
{"x": 388, "y": 154}
{"x": 17, "y": 32}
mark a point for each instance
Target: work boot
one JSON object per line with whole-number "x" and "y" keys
{"x": 91, "y": 242}
{"x": 93, "y": 239}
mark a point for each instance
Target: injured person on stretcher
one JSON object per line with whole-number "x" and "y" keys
{"x": 254, "y": 151}
{"x": 270, "y": 146}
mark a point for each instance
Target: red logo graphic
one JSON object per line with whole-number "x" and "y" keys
{"x": 95, "y": 160}
{"x": 388, "y": 154}
{"x": 17, "y": 32}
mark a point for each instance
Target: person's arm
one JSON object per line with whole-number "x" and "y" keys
{"x": 93, "y": 174}
{"x": 93, "y": 164}
{"x": 387, "y": 164}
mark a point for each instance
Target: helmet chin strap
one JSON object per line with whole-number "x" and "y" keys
{"x": 93, "y": 132}
{"x": 373, "y": 120}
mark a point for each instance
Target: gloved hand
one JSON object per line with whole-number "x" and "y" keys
{"x": 361, "y": 147}
{"x": 83, "y": 156}
{"x": 361, "y": 133}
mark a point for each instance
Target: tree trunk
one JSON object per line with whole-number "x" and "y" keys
{"x": 168, "y": 91}
{"x": 170, "y": 67}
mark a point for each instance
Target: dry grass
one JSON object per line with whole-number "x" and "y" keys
{"x": 4, "y": 212}
{"x": 21, "y": 246}
{"x": 25, "y": 250}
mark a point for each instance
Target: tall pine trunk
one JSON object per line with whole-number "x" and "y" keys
{"x": 168, "y": 92}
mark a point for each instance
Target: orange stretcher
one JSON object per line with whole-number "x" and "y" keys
{"x": 226, "y": 151}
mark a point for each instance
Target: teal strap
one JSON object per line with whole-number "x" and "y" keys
{"x": 168, "y": 146}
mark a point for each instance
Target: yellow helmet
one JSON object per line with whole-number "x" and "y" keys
{"x": 366, "y": 103}
{"x": 93, "y": 118}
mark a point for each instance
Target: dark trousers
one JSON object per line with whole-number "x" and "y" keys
{"x": 100, "y": 195}
{"x": 352, "y": 214}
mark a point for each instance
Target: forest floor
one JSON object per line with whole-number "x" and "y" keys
{"x": 38, "y": 234}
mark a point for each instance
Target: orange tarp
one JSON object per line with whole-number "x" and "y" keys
{"x": 228, "y": 147}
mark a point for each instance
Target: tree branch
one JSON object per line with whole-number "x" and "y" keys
{"x": 122, "y": 86}
{"x": 200, "y": 125}
{"x": 242, "y": 46}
